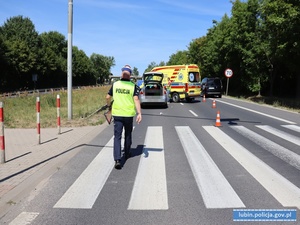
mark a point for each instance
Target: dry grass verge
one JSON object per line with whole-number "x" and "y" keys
{"x": 284, "y": 103}
{"x": 20, "y": 112}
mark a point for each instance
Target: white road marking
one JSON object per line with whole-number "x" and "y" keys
{"x": 260, "y": 113}
{"x": 289, "y": 137}
{"x": 282, "y": 189}
{"x": 150, "y": 187}
{"x": 215, "y": 189}
{"x": 85, "y": 190}
{"x": 277, "y": 150}
{"x": 193, "y": 113}
{"x": 24, "y": 218}
{"x": 292, "y": 127}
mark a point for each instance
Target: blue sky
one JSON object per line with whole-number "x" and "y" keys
{"x": 133, "y": 32}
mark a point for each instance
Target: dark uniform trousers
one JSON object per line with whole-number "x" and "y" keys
{"x": 119, "y": 123}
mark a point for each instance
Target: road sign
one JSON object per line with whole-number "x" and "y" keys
{"x": 228, "y": 73}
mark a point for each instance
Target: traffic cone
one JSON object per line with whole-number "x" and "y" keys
{"x": 218, "y": 120}
{"x": 203, "y": 100}
{"x": 214, "y": 103}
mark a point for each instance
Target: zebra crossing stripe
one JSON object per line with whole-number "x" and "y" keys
{"x": 150, "y": 187}
{"x": 292, "y": 127}
{"x": 277, "y": 150}
{"x": 24, "y": 218}
{"x": 95, "y": 175}
{"x": 289, "y": 137}
{"x": 282, "y": 189}
{"x": 215, "y": 189}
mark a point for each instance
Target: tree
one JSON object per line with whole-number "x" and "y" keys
{"x": 247, "y": 50}
{"x": 135, "y": 72}
{"x": 4, "y": 78}
{"x": 281, "y": 22}
{"x": 213, "y": 54}
{"x": 152, "y": 65}
{"x": 83, "y": 70}
{"x": 194, "y": 50}
{"x": 180, "y": 57}
{"x": 53, "y": 59}
{"x": 102, "y": 66}
{"x": 21, "y": 43}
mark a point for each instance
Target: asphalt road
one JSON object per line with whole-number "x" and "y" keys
{"x": 183, "y": 170}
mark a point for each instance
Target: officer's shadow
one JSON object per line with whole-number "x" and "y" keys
{"x": 143, "y": 150}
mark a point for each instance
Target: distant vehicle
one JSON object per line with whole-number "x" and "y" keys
{"x": 113, "y": 79}
{"x": 133, "y": 79}
{"x": 211, "y": 86}
{"x": 185, "y": 81}
{"x": 152, "y": 91}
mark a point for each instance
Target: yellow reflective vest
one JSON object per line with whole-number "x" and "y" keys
{"x": 123, "y": 99}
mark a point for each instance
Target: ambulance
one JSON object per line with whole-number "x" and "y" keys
{"x": 185, "y": 81}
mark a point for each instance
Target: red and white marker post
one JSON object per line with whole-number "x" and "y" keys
{"x": 38, "y": 125}
{"x": 2, "y": 143}
{"x": 58, "y": 113}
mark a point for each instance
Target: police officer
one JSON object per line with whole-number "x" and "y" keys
{"x": 125, "y": 106}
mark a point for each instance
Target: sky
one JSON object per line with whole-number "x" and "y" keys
{"x": 133, "y": 32}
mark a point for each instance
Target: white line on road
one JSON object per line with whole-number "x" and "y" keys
{"x": 263, "y": 114}
{"x": 24, "y": 218}
{"x": 282, "y": 189}
{"x": 193, "y": 113}
{"x": 150, "y": 186}
{"x": 215, "y": 189}
{"x": 292, "y": 127}
{"x": 289, "y": 137}
{"x": 277, "y": 150}
{"x": 85, "y": 190}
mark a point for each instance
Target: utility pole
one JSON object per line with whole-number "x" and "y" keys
{"x": 70, "y": 32}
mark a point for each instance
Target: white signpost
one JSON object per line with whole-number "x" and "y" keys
{"x": 228, "y": 73}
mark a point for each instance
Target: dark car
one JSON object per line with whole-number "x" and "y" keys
{"x": 211, "y": 86}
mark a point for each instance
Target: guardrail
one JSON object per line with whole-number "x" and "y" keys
{"x": 40, "y": 91}
{"x": 31, "y": 92}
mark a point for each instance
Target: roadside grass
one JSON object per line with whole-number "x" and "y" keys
{"x": 20, "y": 112}
{"x": 283, "y": 103}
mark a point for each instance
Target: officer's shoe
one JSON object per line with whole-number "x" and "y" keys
{"x": 118, "y": 165}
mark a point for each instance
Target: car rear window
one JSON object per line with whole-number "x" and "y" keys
{"x": 214, "y": 82}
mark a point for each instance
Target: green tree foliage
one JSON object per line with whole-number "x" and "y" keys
{"x": 150, "y": 66}
{"x": 259, "y": 42}
{"x": 194, "y": 51}
{"x": 214, "y": 49}
{"x": 154, "y": 64}
{"x": 135, "y": 72}
{"x": 53, "y": 53}
{"x": 4, "y": 78}
{"x": 247, "y": 51}
{"x": 83, "y": 69}
{"x": 180, "y": 57}
{"x": 281, "y": 27}
{"x": 102, "y": 65}
{"x": 21, "y": 42}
